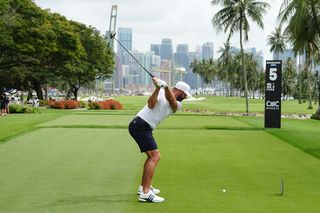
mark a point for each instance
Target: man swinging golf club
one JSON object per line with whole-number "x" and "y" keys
{"x": 162, "y": 103}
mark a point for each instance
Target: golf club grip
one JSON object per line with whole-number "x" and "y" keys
{"x": 133, "y": 57}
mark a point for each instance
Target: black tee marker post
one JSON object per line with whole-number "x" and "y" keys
{"x": 272, "y": 112}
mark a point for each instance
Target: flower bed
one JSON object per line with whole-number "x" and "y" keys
{"x": 107, "y": 104}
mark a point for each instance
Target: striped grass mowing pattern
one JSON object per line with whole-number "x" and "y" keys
{"x": 89, "y": 163}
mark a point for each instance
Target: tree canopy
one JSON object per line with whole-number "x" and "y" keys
{"x": 38, "y": 48}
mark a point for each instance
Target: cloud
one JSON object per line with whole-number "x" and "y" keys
{"x": 184, "y": 21}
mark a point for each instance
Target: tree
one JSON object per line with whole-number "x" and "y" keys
{"x": 277, "y": 41}
{"x": 253, "y": 73}
{"x": 39, "y": 48}
{"x": 289, "y": 79}
{"x": 225, "y": 66}
{"x": 234, "y": 17}
{"x": 303, "y": 31}
{"x": 96, "y": 62}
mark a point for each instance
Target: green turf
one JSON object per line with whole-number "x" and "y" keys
{"x": 96, "y": 167}
{"x": 223, "y": 104}
{"x": 236, "y": 104}
{"x": 15, "y": 124}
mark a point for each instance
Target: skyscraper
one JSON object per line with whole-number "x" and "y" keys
{"x": 181, "y": 56}
{"x": 155, "y": 48}
{"x": 125, "y": 37}
{"x": 207, "y": 50}
{"x": 166, "y": 50}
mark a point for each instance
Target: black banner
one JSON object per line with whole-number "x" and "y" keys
{"x": 272, "y": 110}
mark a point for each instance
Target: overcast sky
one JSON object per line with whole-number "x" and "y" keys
{"x": 184, "y": 21}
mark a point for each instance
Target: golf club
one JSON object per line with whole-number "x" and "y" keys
{"x": 113, "y": 36}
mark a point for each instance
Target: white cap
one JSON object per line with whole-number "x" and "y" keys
{"x": 183, "y": 86}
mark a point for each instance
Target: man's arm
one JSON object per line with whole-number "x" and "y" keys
{"x": 153, "y": 99}
{"x": 171, "y": 99}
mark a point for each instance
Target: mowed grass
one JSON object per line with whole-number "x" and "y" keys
{"x": 87, "y": 162}
{"x": 225, "y": 104}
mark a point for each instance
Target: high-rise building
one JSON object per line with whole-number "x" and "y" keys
{"x": 125, "y": 38}
{"x": 166, "y": 50}
{"x": 207, "y": 51}
{"x": 181, "y": 59}
{"x": 288, "y": 53}
{"x": 155, "y": 48}
{"x": 251, "y": 50}
{"x": 193, "y": 79}
{"x": 260, "y": 59}
{"x": 181, "y": 55}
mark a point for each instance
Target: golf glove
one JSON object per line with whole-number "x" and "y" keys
{"x": 161, "y": 83}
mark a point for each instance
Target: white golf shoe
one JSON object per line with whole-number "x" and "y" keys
{"x": 150, "y": 197}
{"x": 154, "y": 190}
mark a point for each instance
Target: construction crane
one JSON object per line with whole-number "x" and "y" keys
{"x": 112, "y": 30}
{"x": 112, "y": 25}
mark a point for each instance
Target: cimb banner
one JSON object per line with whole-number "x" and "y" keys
{"x": 272, "y": 110}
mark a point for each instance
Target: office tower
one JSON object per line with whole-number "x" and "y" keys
{"x": 260, "y": 59}
{"x": 166, "y": 50}
{"x": 181, "y": 59}
{"x": 288, "y": 53}
{"x": 207, "y": 51}
{"x": 192, "y": 78}
{"x": 251, "y": 50}
{"x": 155, "y": 48}
{"x": 181, "y": 56}
{"x": 136, "y": 72}
{"x": 125, "y": 38}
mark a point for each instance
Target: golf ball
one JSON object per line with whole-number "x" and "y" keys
{"x": 224, "y": 190}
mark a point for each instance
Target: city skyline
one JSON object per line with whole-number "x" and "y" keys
{"x": 182, "y": 21}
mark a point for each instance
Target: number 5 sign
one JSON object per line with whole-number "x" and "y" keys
{"x": 272, "y": 112}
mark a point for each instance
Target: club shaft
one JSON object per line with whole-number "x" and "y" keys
{"x": 134, "y": 58}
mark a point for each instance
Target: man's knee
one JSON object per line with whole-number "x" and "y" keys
{"x": 155, "y": 155}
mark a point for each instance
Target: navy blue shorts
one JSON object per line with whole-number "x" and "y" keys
{"x": 142, "y": 134}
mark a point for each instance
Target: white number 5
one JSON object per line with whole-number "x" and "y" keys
{"x": 273, "y": 74}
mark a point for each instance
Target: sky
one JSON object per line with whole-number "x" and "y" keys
{"x": 184, "y": 21}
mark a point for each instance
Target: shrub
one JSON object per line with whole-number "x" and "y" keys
{"x": 316, "y": 116}
{"x": 115, "y": 104}
{"x": 111, "y": 104}
{"x": 82, "y": 104}
{"x": 16, "y": 108}
{"x": 107, "y": 104}
{"x": 95, "y": 105}
{"x": 57, "y": 105}
{"x": 70, "y": 104}
{"x": 43, "y": 103}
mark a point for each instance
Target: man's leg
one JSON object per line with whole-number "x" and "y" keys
{"x": 149, "y": 168}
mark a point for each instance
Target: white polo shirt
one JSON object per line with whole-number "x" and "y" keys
{"x": 160, "y": 111}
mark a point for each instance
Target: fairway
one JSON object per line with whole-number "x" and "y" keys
{"x": 88, "y": 162}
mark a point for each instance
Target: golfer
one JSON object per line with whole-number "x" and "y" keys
{"x": 162, "y": 103}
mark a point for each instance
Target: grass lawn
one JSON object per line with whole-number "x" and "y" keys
{"x": 87, "y": 162}
{"x": 225, "y": 104}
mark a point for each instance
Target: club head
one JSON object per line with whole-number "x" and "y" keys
{"x": 112, "y": 35}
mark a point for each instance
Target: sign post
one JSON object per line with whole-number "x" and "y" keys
{"x": 272, "y": 110}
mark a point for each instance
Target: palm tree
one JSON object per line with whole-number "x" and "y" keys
{"x": 302, "y": 32}
{"x": 234, "y": 17}
{"x": 198, "y": 67}
{"x": 289, "y": 79}
{"x": 277, "y": 41}
{"x": 225, "y": 69}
